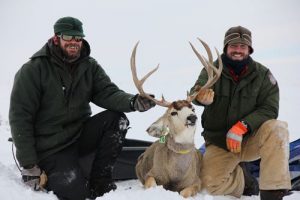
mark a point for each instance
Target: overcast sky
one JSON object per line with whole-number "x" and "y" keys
{"x": 163, "y": 27}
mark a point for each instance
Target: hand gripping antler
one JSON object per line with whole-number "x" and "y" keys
{"x": 139, "y": 83}
{"x": 213, "y": 72}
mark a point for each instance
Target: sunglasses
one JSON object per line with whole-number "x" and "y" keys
{"x": 70, "y": 37}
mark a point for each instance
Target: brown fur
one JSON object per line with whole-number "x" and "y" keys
{"x": 175, "y": 166}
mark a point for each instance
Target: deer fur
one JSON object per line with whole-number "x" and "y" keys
{"x": 176, "y": 163}
{"x": 173, "y": 161}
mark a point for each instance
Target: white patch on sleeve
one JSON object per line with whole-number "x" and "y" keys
{"x": 272, "y": 78}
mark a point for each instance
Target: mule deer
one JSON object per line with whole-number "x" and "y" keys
{"x": 173, "y": 161}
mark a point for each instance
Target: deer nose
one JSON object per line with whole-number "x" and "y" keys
{"x": 192, "y": 118}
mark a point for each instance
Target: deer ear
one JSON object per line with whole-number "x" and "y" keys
{"x": 155, "y": 130}
{"x": 159, "y": 128}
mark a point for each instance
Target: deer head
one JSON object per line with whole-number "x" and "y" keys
{"x": 179, "y": 120}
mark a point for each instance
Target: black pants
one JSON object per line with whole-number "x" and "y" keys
{"x": 91, "y": 157}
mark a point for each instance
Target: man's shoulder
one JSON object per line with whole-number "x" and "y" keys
{"x": 35, "y": 62}
{"x": 41, "y": 53}
{"x": 265, "y": 72}
{"x": 92, "y": 64}
{"x": 92, "y": 60}
{"x": 37, "y": 59}
{"x": 260, "y": 67}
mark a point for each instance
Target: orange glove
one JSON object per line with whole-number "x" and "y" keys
{"x": 234, "y": 137}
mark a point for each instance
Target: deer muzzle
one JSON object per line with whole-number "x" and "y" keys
{"x": 191, "y": 120}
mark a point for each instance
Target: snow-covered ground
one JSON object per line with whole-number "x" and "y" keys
{"x": 12, "y": 188}
{"x": 164, "y": 29}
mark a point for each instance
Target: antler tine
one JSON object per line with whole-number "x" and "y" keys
{"x": 210, "y": 58}
{"x": 202, "y": 60}
{"x": 217, "y": 71}
{"x": 213, "y": 72}
{"x": 213, "y": 76}
{"x": 139, "y": 83}
{"x": 220, "y": 63}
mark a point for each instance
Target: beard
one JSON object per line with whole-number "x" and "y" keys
{"x": 237, "y": 65}
{"x": 71, "y": 51}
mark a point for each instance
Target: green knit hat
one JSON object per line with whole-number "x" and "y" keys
{"x": 68, "y": 26}
{"x": 238, "y": 34}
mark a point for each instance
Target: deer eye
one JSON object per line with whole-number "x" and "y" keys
{"x": 174, "y": 113}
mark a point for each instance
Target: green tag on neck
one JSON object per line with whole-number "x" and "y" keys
{"x": 162, "y": 139}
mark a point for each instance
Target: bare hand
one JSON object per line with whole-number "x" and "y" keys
{"x": 205, "y": 96}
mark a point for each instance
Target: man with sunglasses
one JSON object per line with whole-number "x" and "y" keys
{"x": 239, "y": 125}
{"x": 51, "y": 122}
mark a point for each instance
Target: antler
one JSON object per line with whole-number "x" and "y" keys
{"x": 139, "y": 83}
{"x": 212, "y": 72}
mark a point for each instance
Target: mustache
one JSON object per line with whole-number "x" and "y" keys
{"x": 235, "y": 52}
{"x": 72, "y": 45}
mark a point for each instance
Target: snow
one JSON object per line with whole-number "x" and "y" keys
{"x": 164, "y": 29}
{"x": 12, "y": 188}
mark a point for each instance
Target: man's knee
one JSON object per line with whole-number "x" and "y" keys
{"x": 119, "y": 118}
{"x": 68, "y": 185}
{"x": 275, "y": 130}
{"x": 274, "y": 123}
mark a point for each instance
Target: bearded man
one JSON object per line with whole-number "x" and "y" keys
{"x": 51, "y": 122}
{"x": 239, "y": 124}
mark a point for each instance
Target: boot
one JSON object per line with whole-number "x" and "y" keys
{"x": 99, "y": 187}
{"x": 251, "y": 184}
{"x": 273, "y": 194}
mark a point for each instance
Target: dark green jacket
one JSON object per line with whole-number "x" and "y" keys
{"x": 50, "y": 102}
{"x": 254, "y": 99}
